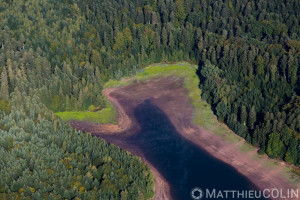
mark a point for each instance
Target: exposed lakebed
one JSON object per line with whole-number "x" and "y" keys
{"x": 155, "y": 123}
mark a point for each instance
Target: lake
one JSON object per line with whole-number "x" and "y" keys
{"x": 183, "y": 164}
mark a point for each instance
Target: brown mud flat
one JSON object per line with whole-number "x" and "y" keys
{"x": 169, "y": 95}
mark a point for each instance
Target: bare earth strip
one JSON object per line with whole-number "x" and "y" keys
{"x": 170, "y": 96}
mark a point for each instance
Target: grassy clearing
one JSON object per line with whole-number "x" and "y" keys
{"x": 107, "y": 115}
{"x": 245, "y": 147}
{"x": 292, "y": 174}
{"x": 270, "y": 163}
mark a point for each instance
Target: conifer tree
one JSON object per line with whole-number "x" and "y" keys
{"x": 4, "y": 90}
{"x": 252, "y": 117}
{"x": 243, "y": 115}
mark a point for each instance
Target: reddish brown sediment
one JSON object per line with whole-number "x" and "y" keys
{"x": 170, "y": 96}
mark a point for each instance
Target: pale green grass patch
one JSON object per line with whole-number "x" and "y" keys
{"x": 107, "y": 115}
{"x": 245, "y": 147}
{"x": 78, "y": 115}
{"x": 291, "y": 174}
{"x": 270, "y": 163}
{"x": 256, "y": 157}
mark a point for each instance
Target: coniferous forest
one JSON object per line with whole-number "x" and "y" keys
{"x": 56, "y": 55}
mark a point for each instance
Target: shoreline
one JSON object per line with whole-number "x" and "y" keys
{"x": 166, "y": 98}
{"x": 161, "y": 187}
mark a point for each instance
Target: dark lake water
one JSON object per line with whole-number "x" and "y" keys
{"x": 182, "y": 163}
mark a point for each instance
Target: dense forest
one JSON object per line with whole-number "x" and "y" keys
{"x": 56, "y": 55}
